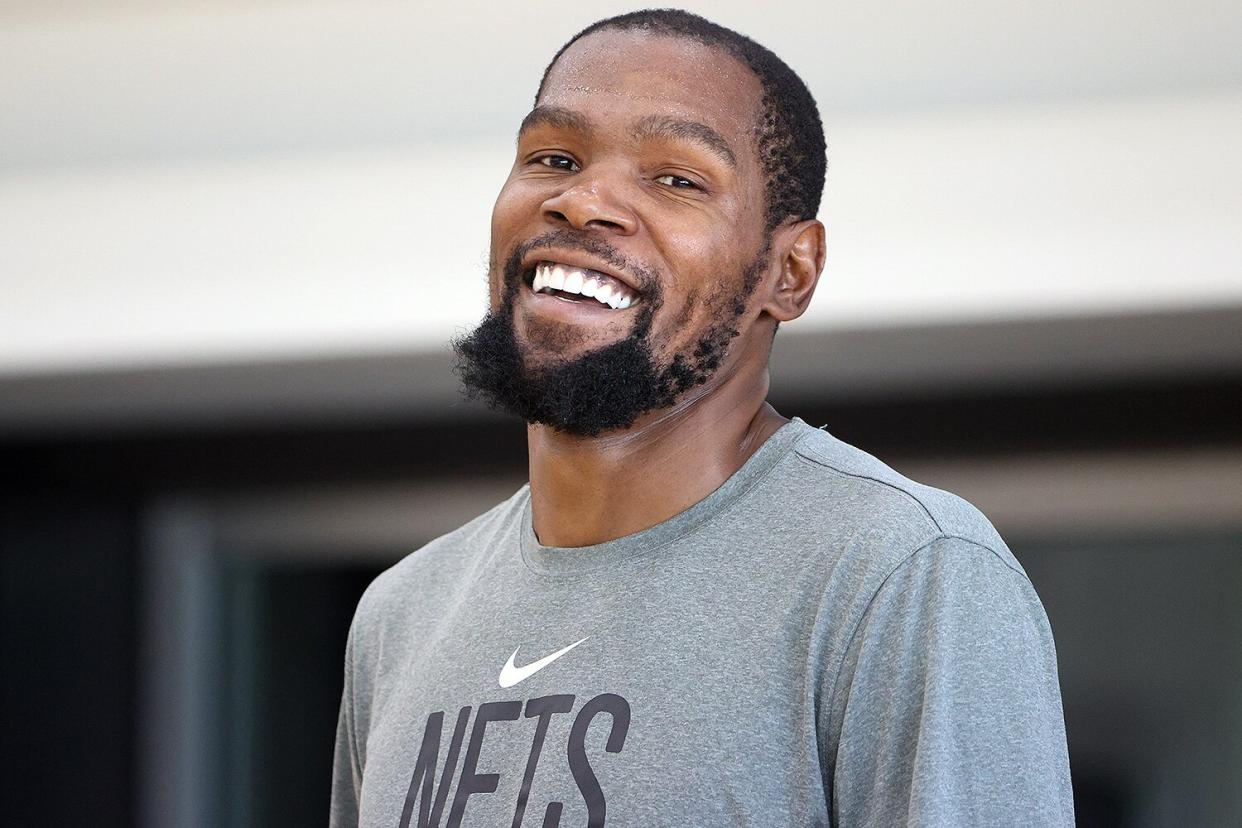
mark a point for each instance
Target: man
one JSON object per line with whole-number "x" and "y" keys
{"x": 698, "y": 612}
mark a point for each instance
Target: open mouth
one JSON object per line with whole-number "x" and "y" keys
{"x": 577, "y": 284}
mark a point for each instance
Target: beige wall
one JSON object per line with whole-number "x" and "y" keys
{"x": 190, "y": 184}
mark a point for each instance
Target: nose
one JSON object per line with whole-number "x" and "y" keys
{"x": 591, "y": 204}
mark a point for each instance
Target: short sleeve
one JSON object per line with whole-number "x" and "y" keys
{"x": 346, "y": 767}
{"x": 947, "y": 707}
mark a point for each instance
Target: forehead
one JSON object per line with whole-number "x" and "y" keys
{"x": 634, "y": 74}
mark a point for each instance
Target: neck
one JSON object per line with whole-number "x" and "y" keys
{"x": 587, "y": 490}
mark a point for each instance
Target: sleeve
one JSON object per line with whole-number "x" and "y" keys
{"x": 346, "y": 765}
{"x": 947, "y": 707}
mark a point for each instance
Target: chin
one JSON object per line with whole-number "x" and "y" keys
{"x": 549, "y": 342}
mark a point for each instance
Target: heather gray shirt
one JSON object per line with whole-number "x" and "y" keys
{"x": 820, "y": 641}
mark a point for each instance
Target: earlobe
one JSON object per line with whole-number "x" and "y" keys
{"x": 801, "y": 265}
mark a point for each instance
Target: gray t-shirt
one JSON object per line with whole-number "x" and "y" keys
{"x": 820, "y": 641}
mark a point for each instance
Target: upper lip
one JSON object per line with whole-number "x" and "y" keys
{"x": 579, "y": 259}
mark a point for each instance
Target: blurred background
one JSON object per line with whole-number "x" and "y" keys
{"x": 235, "y": 237}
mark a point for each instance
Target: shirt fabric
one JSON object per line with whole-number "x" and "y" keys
{"x": 820, "y": 641}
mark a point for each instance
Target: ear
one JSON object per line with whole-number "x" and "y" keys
{"x": 800, "y": 251}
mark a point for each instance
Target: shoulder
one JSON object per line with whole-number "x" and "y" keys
{"x": 948, "y": 689}
{"x": 886, "y": 514}
{"x": 441, "y": 563}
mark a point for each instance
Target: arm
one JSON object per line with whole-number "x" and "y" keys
{"x": 947, "y": 709}
{"x": 346, "y": 768}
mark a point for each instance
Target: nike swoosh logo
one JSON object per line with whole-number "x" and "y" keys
{"x": 510, "y": 675}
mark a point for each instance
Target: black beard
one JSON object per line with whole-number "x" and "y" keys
{"x": 601, "y": 390}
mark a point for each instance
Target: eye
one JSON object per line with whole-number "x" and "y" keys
{"x": 678, "y": 182}
{"x": 558, "y": 162}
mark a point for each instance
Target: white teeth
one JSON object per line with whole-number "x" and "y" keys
{"x": 556, "y": 278}
{"x": 604, "y": 289}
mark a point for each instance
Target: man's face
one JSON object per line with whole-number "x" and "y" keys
{"x": 636, "y": 180}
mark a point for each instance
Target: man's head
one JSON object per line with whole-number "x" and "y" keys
{"x": 670, "y": 171}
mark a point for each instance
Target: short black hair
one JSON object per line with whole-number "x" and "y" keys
{"x": 789, "y": 134}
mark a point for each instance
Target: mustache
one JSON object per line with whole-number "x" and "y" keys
{"x": 647, "y": 279}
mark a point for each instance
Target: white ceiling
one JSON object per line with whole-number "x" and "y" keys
{"x": 118, "y": 81}
{"x": 194, "y": 185}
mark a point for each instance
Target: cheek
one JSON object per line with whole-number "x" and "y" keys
{"x": 709, "y": 265}
{"x": 502, "y": 210}
{"x": 513, "y": 208}
{"x": 710, "y": 279}
{"x": 700, "y": 236}
{"x": 517, "y": 205}
{"x": 686, "y": 317}
{"x": 708, "y": 246}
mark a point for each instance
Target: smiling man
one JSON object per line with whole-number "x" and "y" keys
{"x": 698, "y": 612}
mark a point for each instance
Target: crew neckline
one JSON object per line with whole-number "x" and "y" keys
{"x": 554, "y": 560}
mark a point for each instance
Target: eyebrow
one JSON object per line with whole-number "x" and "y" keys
{"x": 677, "y": 129}
{"x": 651, "y": 127}
{"x": 555, "y": 116}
